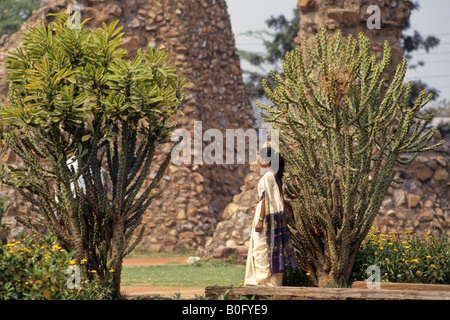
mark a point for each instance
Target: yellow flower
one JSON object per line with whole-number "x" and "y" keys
{"x": 418, "y": 272}
{"x": 381, "y": 248}
{"x": 407, "y": 247}
{"x": 93, "y": 271}
{"x": 428, "y": 257}
{"x": 432, "y": 265}
{"x": 112, "y": 270}
{"x": 308, "y": 273}
{"x": 72, "y": 261}
{"x": 414, "y": 260}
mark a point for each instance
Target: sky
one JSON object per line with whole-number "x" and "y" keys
{"x": 430, "y": 19}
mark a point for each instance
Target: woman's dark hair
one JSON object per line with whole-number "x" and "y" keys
{"x": 269, "y": 154}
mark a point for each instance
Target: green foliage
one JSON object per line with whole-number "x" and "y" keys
{"x": 184, "y": 275}
{"x": 342, "y": 132}
{"x": 405, "y": 257}
{"x": 276, "y": 43}
{"x": 33, "y": 269}
{"x": 75, "y": 97}
{"x": 3, "y": 227}
{"x": 297, "y": 278}
{"x": 14, "y": 12}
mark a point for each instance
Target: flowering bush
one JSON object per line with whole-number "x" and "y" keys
{"x": 40, "y": 269}
{"x": 405, "y": 257}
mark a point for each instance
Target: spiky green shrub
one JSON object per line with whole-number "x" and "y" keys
{"x": 342, "y": 130}
{"x": 74, "y": 96}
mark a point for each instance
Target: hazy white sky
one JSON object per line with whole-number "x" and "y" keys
{"x": 430, "y": 19}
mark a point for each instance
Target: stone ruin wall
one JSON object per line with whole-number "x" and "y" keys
{"x": 422, "y": 202}
{"x": 211, "y": 206}
{"x": 198, "y": 36}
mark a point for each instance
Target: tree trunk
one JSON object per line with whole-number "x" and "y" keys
{"x": 116, "y": 255}
{"x": 328, "y": 275}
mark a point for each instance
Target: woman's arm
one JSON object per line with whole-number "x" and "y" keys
{"x": 262, "y": 214}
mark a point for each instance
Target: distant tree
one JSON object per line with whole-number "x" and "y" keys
{"x": 440, "y": 108}
{"x": 413, "y": 43}
{"x": 13, "y": 13}
{"x": 277, "y": 44}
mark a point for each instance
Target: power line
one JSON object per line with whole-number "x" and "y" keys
{"x": 442, "y": 61}
{"x": 431, "y": 53}
{"x": 435, "y": 76}
{"x": 442, "y": 34}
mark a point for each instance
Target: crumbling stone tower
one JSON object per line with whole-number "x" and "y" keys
{"x": 198, "y": 35}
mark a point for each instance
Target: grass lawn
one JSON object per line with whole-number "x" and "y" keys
{"x": 183, "y": 275}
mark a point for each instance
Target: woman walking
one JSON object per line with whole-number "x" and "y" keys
{"x": 270, "y": 251}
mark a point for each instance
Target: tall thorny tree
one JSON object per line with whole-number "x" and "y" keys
{"x": 342, "y": 131}
{"x": 86, "y": 122}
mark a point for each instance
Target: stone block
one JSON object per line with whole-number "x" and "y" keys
{"x": 413, "y": 200}
{"x": 440, "y": 174}
{"x": 424, "y": 173}
{"x": 306, "y": 5}
{"x": 343, "y": 16}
